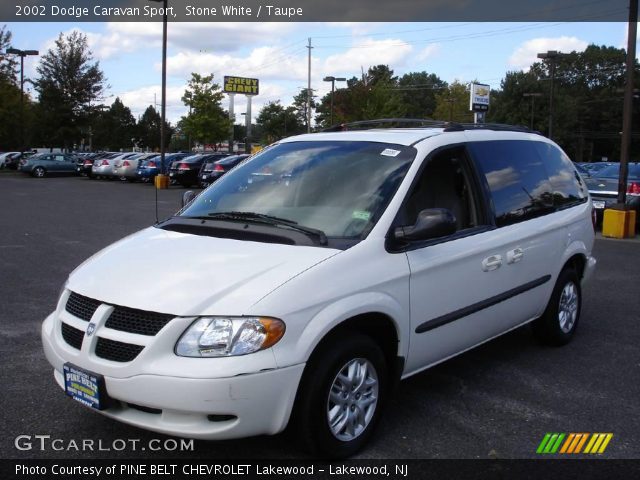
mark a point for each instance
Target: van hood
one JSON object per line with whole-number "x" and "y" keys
{"x": 189, "y": 275}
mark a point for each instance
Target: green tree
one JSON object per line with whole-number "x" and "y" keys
{"x": 68, "y": 82}
{"x": 275, "y": 122}
{"x": 417, "y": 93}
{"x": 588, "y": 91}
{"x": 300, "y": 105}
{"x": 373, "y": 96}
{"x": 120, "y": 127}
{"x": 452, "y": 103}
{"x": 8, "y": 63}
{"x": 9, "y": 116}
{"x": 149, "y": 129}
{"x": 207, "y": 122}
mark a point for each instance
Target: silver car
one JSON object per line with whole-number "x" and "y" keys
{"x": 125, "y": 168}
{"x": 103, "y": 166}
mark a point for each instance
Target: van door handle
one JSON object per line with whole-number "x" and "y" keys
{"x": 492, "y": 263}
{"x": 515, "y": 255}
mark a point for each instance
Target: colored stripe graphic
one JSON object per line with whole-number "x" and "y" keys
{"x": 572, "y": 443}
{"x": 581, "y": 443}
{"x": 543, "y": 443}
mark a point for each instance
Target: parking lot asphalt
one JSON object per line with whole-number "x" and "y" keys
{"x": 496, "y": 401}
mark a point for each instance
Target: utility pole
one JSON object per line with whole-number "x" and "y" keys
{"x": 533, "y": 100}
{"x": 628, "y": 102}
{"x": 232, "y": 118}
{"x": 552, "y": 56}
{"x": 333, "y": 81}
{"x": 309, "y": 47}
{"x": 247, "y": 144}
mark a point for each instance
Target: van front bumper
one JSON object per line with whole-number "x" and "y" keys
{"x": 202, "y": 408}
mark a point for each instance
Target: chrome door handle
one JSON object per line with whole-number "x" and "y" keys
{"x": 515, "y": 255}
{"x": 492, "y": 263}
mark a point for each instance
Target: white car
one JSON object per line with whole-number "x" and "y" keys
{"x": 363, "y": 258}
{"x": 7, "y": 156}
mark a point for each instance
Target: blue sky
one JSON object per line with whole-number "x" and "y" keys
{"x": 276, "y": 53}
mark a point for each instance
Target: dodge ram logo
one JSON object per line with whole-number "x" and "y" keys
{"x": 90, "y": 329}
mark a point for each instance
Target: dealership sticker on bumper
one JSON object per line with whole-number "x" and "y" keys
{"x": 85, "y": 387}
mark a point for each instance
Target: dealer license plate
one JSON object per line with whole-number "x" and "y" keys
{"x": 598, "y": 204}
{"x": 85, "y": 387}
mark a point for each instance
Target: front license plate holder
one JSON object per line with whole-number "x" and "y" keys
{"x": 598, "y": 204}
{"x": 85, "y": 387}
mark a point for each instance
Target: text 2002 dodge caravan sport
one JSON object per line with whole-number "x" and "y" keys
{"x": 310, "y": 278}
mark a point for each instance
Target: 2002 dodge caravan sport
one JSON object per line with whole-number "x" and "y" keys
{"x": 316, "y": 274}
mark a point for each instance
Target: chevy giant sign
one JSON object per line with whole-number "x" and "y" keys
{"x": 245, "y": 86}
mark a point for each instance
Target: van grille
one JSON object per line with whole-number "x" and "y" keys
{"x": 72, "y": 336}
{"x": 117, "y": 351}
{"x": 137, "y": 321}
{"x": 81, "y": 307}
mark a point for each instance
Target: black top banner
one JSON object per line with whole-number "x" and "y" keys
{"x": 313, "y": 11}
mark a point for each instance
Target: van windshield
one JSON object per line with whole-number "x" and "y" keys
{"x": 339, "y": 188}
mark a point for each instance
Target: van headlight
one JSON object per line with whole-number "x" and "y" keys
{"x": 229, "y": 336}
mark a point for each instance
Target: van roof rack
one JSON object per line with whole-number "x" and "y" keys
{"x": 426, "y": 122}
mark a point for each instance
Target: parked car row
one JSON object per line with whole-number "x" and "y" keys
{"x": 185, "y": 169}
{"x": 603, "y": 187}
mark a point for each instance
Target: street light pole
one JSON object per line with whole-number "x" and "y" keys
{"x": 21, "y": 54}
{"x": 333, "y": 81}
{"x": 164, "y": 84}
{"x": 552, "y": 56}
{"x": 533, "y": 99}
{"x": 627, "y": 109}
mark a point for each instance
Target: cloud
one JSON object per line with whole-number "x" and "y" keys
{"x": 499, "y": 179}
{"x": 262, "y": 62}
{"x": 367, "y": 53}
{"x": 526, "y": 54}
{"x": 429, "y": 51}
{"x": 206, "y": 37}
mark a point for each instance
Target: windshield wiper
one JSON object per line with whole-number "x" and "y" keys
{"x": 269, "y": 220}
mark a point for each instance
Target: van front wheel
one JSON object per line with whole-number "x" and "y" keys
{"x": 341, "y": 395}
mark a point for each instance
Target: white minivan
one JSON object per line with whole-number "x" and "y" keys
{"x": 311, "y": 278}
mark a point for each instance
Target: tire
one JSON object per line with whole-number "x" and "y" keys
{"x": 558, "y": 323}
{"x": 327, "y": 371}
{"x": 39, "y": 172}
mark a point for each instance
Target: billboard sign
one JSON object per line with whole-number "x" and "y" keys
{"x": 242, "y": 85}
{"x": 479, "y": 101}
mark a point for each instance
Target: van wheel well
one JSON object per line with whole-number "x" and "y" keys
{"x": 577, "y": 263}
{"x": 378, "y": 327}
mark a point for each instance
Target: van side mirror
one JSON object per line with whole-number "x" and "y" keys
{"x": 431, "y": 223}
{"x": 188, "y": 197}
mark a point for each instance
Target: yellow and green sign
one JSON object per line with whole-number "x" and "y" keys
{"x": 568, "y": 443}
{"x": 242, "y": 85}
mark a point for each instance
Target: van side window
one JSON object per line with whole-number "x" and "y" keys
{"x": 568, "y": 186}
{"x": 444, "y": 183}
{"x": 516, "y": 177}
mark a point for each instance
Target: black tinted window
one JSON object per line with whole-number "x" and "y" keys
{"x": 568, "y": 186}
{"x": 517, "y": 179}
